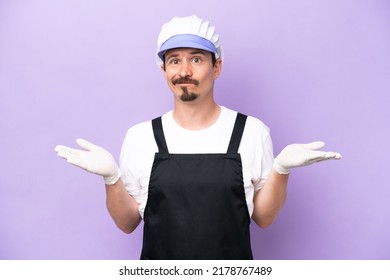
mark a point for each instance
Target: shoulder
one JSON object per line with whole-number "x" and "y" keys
{"x": 252, "y": 125}
{"x": 139, "y": 135}
{"x": 140, "y": 129}
{"x": 256, "y": 134}
{"x": 138, "y": 143}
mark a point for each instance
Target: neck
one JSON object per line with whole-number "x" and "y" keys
{"x": 193, "y": 117}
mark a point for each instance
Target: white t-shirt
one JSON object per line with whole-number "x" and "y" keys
{"x": 139, "y": 148}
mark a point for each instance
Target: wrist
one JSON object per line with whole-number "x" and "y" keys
{"x": 279, "y": 168}
{"x": 111, "y": 180}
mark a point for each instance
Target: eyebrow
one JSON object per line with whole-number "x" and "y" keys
{"x": 197, "y": 51}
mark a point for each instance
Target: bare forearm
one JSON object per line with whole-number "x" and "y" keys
{"x": 270, "y": 199}
{"x": 122, "y": 207}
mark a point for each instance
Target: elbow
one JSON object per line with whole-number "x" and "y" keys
{"x": 264, "y": 225}
{"x": 127, "y": 230}
{"x": 129, "y": 226}
{"x": 264, "y": 222}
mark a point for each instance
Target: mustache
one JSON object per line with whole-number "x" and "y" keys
{"x": 184, "y": 81}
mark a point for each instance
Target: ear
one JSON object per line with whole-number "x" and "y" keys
{"x": 217, "y": 68}
{"x": 164, "y": 71}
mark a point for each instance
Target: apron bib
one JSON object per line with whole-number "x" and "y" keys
{"x": 196, "y": 207}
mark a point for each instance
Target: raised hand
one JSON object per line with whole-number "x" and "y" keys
{"x": 93, "y": 159}
{"x": 296, "y": 155}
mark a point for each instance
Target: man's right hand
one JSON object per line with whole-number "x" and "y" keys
{"x": 93, "y": 159}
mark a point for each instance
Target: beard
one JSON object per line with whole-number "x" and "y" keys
{"x": 188, "y": 96}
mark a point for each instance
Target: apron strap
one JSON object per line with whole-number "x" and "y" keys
{"x": 235, "y": 139}
{"x": 238, "y": 130}
{"x": 159, "y": 135}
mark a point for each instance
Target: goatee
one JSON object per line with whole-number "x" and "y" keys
{"x": 188, "y": 96}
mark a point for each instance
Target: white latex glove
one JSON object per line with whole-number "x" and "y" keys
{"x": 94, "y": 159}
{"x": 296, "y": 155}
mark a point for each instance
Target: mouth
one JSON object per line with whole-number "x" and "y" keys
{"x": 185, "y": 85}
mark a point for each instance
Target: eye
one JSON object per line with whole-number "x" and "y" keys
{"x": 196, "y": 59}
{"x": 173, "y": 61}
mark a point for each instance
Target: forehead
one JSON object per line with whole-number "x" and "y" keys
{"x": 186, "y": 51}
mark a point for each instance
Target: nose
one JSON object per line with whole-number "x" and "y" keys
{"x": 185, "y": 70}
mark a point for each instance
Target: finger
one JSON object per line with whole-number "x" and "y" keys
{"x": 85, "y": 144}
{"x": 59, "y": 148}
{"x": 332, "y": 155}
{"x": 64, "y": 152}
{"x": 72, "y": 156}
{"x": 65, "y": 149}
{"x": 318, "y": 156}
{"x": 77, "y": 161}
{"x": 317, "y": 145}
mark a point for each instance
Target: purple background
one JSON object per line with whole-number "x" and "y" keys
{"x": 311, "y": 70}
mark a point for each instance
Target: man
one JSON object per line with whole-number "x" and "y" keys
{"x": 197, "y": 174}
